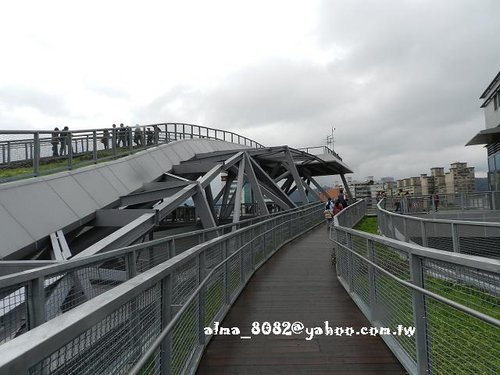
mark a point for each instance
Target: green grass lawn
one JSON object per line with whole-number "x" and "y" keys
{"x": 369, "y": 224}
{"x": 458, "y": 343}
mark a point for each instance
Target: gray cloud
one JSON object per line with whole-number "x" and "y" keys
{"x": 403, "y": 96}
{"x": 12, "y": 97}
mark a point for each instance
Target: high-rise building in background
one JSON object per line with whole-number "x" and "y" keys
{"x": 460, "y": 179}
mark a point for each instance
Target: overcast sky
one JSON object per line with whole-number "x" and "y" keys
{"x": 399, "y": 80}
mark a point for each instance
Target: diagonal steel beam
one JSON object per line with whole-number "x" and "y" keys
{"x": 255, "y": 186}
{"x": 268, "y": 193}
{"x": 296, "y": 176}
{"x": 203, "y": 208}
{"x": 346, "y": 186}
{"x": 308, "y": 189}
{"x": 282, "y": 176}
{"x": 306, "y": 173}
{"x": 286, "y": 186}
{"x": 267, "y": 181}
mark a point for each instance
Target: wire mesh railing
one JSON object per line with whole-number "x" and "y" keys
{"x": 406, "y": 203}
{"x": 157, "y": 320}
{"x": 459, "y": 236}
{"x": 452, "y": 301}
{"x": 32, "y": 297}
{"x": 34, "y": 153}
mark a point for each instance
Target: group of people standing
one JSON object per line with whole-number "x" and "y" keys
{"x": 402, "y": 203}
{"x": 333, "y": 208}
{"x": 60, "y": 141}
{"x": 124, "y": 136}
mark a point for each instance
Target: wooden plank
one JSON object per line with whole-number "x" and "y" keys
{"x": 298, "y": 284}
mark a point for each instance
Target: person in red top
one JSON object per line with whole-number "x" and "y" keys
{"x": 337, "y": 208}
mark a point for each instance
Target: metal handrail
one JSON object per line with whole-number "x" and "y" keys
{"x": 36, "y": 350}
{"x": 423, "y": 265}
{"x": 82, "y": 147}
{"x": 421, "y": 225}
{"x": 43, "y": 277}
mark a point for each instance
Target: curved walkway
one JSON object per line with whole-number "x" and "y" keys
{"x": 298, "y": 284}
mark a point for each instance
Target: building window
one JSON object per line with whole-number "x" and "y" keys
{"x": 491, "y": 163}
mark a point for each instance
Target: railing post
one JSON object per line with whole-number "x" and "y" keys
{"x": 172, "y": 250}
{"x": 242, "y": 258}
{"x": 424, "y": 233}
{"x": 94, "y": 144}
{"x": 405, "y": 230}
{"x": 36, "y": 302}
{"x": 350, "y": 263}
{"x": 131, "y": 264}
{"x": 201, "y": 299}
{"x": 69, "y": 144}
{"x": 225, "y": 253}
{"x": 36, "y": 154}
{"x": 166, "y": 345}
{"x": 390, "y": 227}
{"x": 419, "y": 315}
{"x": 455, "y": 238}
{"x": 113, "y": 141}
{"x": 8, "y": 153}
{"x": 372, "y": 280}
{"x": 252, "y": 249}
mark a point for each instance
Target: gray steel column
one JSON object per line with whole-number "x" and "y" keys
{"x": 238, "y": 192}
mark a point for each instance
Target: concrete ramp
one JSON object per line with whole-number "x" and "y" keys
{"x": 32, "y": 209}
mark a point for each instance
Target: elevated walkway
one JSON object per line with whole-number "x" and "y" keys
{"x": 298, "y": 284}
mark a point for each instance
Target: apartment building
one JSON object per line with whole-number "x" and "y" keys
{"x": 460, "y": 179}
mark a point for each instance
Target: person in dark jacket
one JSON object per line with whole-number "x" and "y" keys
{"x": 55, "y": 142}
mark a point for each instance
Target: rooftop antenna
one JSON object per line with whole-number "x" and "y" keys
{"x": 330, "y": 140}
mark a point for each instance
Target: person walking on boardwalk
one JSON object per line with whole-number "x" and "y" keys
{"x": 337, "y": 207}
{"x": 342, "y": 198}
{"x": 435, "y": 200}
{"x": 328, "y": 213}
{"x": 55, "y": 142}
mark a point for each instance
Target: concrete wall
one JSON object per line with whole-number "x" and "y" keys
{"x": 31, "y": 209}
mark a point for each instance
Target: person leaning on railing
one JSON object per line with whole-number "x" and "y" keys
{"x": 105, "y": 139}
{"x": 55, "y": 142}
{"x": 63, "y": 136}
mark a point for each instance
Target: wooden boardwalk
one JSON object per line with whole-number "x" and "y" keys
{"x": 298, "y": 284}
